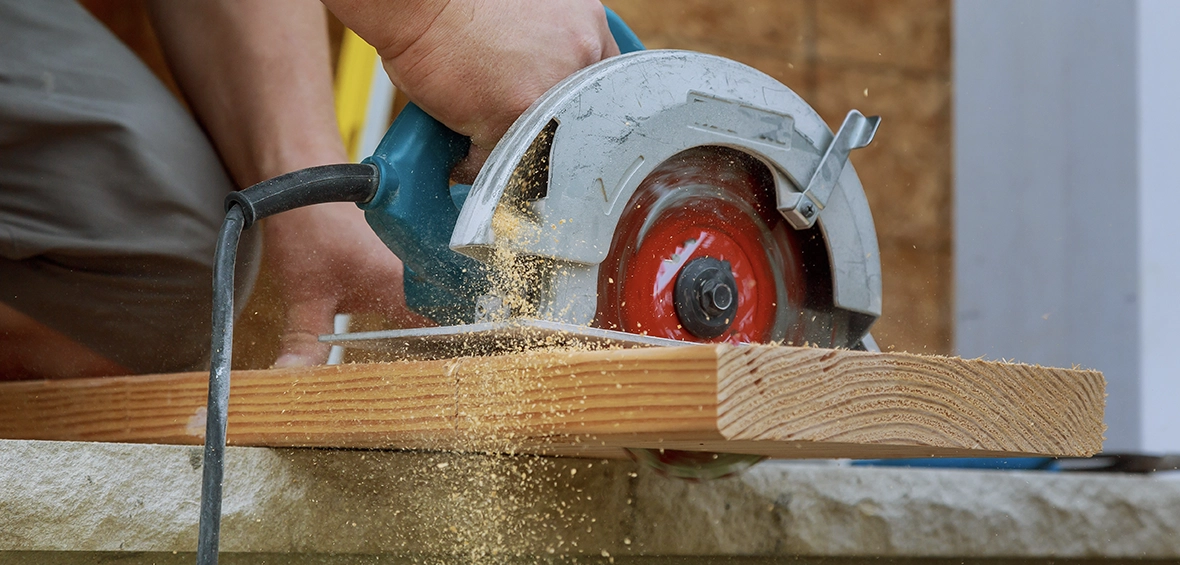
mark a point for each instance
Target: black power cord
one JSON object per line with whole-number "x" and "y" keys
{"x": 316, "y": 185}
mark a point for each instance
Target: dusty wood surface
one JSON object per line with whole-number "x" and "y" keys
{"x": 776, "y": 401}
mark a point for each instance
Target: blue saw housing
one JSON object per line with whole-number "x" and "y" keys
{"x": 415, "y": 207}
{"x": 413, "y": 214}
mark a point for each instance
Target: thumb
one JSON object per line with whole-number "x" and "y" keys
{"x": 306, "y": 321}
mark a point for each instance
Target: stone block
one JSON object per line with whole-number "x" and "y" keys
{"x": 67, "y": 502}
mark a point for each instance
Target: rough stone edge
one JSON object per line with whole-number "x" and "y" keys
{"x": 70, "y": 496}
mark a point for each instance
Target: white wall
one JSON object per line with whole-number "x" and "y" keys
{"x": 1065, "y": 249}
{"x": 1159, "y": 213}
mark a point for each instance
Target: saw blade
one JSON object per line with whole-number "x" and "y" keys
{"x": 705, "y": 219}
{"x": 709, "y": 204}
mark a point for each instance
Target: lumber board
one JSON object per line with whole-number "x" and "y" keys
{"x": 776, "y": 401}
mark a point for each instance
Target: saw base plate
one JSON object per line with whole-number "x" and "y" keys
{"x": 490, "y": 338}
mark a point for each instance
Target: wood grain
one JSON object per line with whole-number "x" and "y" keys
{"x": 776, "y": 401}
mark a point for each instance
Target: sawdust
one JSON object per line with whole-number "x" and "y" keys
{"x": 477, "y": 497}
{"x": 465, "y": 508}
{"x": 524, "y": 517}
{"x": 502, "y": 506}
{"x": 490, "y": 503}
{"x": 515, "y": 277}
{"x": 518, "y": 279}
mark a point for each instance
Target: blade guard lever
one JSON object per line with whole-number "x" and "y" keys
{"x": 802, "y": 209}
{"x": 415, "y": 208}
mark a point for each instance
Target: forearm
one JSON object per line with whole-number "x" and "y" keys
{"x": 475, "y": 65}
{"x": 391, "y": 26}
{"x": 258, "y": 77}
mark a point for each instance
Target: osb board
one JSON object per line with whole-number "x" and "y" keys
{"x": 769, "y": 400}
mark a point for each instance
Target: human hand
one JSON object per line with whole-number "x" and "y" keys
{"x": 328, "y": 260}
{"x": 476, "y": 65}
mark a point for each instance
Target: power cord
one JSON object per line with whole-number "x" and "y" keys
{"x": 316, "y": 185}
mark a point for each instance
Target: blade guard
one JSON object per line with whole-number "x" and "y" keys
{"x": 616, "y": 121}
{"x": 417, "y": 153}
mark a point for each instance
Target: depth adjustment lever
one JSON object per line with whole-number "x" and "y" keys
{"x": 802, "y": 209}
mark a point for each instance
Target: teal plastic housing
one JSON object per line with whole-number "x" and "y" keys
{"x": 415, "y": 208}
{"x": 414, "y": 215}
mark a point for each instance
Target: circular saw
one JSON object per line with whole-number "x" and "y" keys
{"x": 679, "y": 195}
{"x": 683, "y": 196}
{"x": 666, "y": 194}
{"x": 654, "y": 198}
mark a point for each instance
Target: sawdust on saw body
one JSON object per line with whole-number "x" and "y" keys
{"x": 518, "y": 278}
{"x": 513, "y": 276}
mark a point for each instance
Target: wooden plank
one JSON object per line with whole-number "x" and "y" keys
{"x": 777, "y": 401}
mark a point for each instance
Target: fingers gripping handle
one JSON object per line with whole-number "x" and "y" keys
{"x": 415, "y": 126}
{"x": 415, "y": 210}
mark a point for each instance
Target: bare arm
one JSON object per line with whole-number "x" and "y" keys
{"x": 256, "y": 72}
{"x": 257, "y": 75}
{"x": 252, "y": 68}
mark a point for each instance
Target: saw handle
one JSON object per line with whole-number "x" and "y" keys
{"x": 627, "y": 40}
{"x": 417, "y": 153}
{"x": 413, "y": 214}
